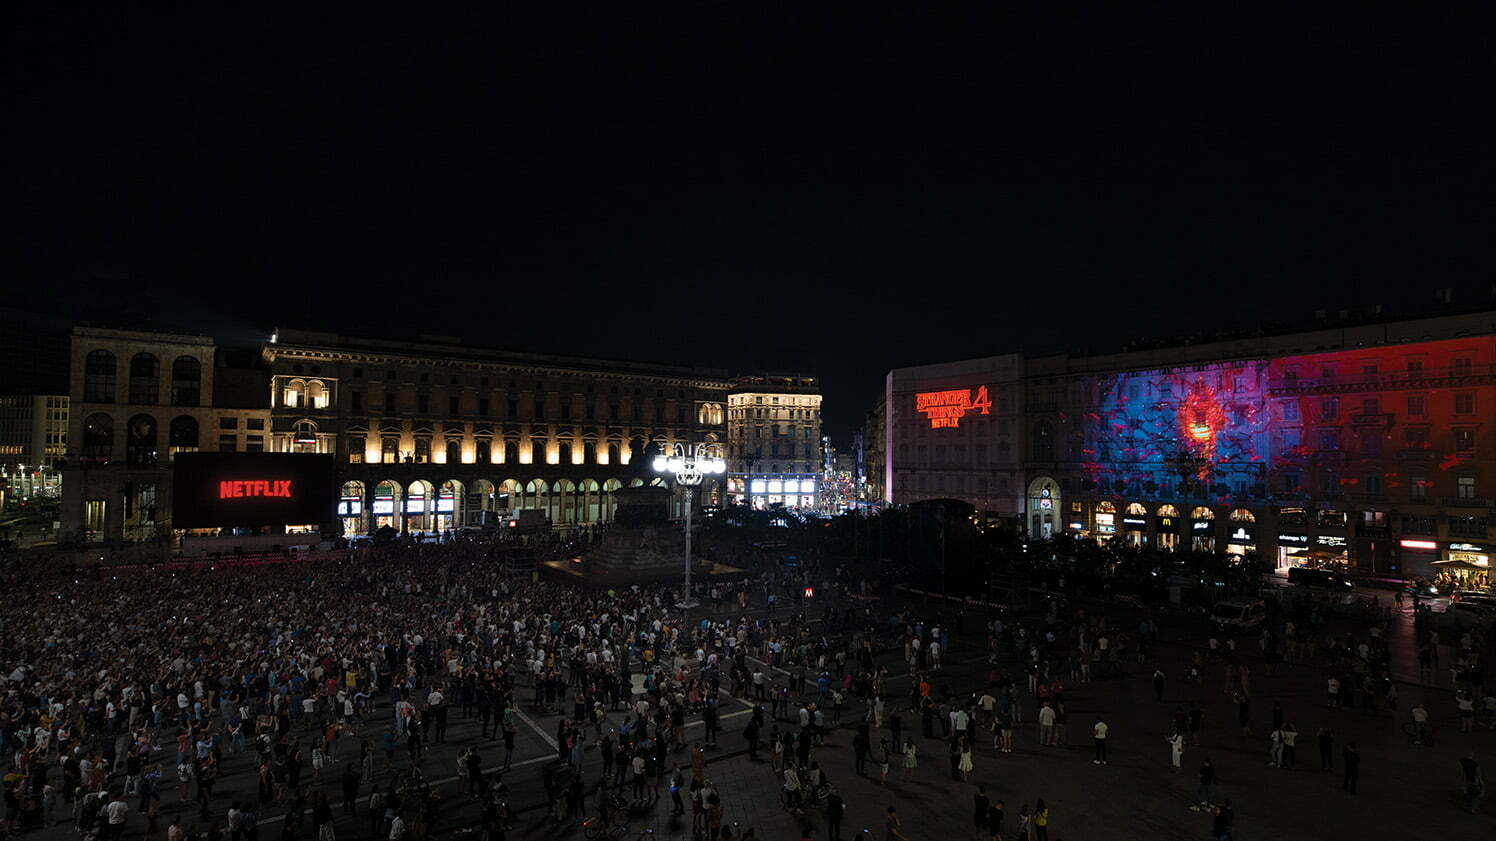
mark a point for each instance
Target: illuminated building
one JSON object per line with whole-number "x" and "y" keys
{"x": 136, "y": 400}
{"x": 1369, "y": 445}
{"x": 872, "y": 453}
{"x": 33, "y": 438}
{"x": 434, "y": 434}
{"x": 953, "y": 431}
{"x": 774, "y": 437}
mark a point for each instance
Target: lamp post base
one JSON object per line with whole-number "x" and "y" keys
{"x": 688, "y": 603}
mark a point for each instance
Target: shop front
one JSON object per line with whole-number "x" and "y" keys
{"x": 1465, "y": 566}
{"x": 1106, "y": 521}
{"x": 1166, "y": 528}
{"x": 1134, "y": 530}
{"x": 1240, "y": 539}
{"x": 1330, "y": 551}
{"x": 1417, "y": 558}
{"x": 1293, "y": 550}
{"x": 1202, "y": 529}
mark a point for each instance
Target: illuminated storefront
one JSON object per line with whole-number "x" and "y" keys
{"x": 1465, "y": 566}
{"x": 1167, "y": 528}
{"x": 1202, "y": 529}
{"x": 1241, "y": 532}
{"x": 1135, "y": 525}
{"x": 1293, "y": 550}
{"x": 1106, "y": 521}
{"x": 787, "y": 492}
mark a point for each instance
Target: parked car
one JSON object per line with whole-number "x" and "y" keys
{"x": 1463, "y": 616}
{"x": 1238, "y": 614}
{"x": 1320, "y": 579}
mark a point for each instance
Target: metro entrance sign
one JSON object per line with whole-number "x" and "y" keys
{"x": 946, "y": 408}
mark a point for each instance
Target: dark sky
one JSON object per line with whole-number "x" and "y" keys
{"x": 836, "y": 196}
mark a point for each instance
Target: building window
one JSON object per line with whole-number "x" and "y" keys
{"x": 1416, "y": 524}
{"x": 1462, "y": 366}
{"x": 145, "y": 379}
{"x": 93, "y": 514}
{"x": 140, "y": 441}
{"x": 1466, "y": 487}
{"x": 228, "y": 443}
{"x": 254, "y": 443}
{"x": 1329, "y": 408}
{"x": 356, "y": 449}
{"x": 423, "y": 404}
{"x": 482, "y": 407}
{"x": 228, "y": 422}
{"x": 1372, "y": 485}
{"x": 1329, "y": 440}
{"x": 389, "y": 450}
{"x": 186, "y": 381}
{"x": 1464, "y": 404}
{"x": 423, "y": 449}
{"x": 1417, "y": 438}
{"x": 98, "y": 437}
{"x": 99, "y": 373}
{"x": 1467, "y": 527}
{"x": 454, "y": 451}
{"x": 1370, "y": 406}
{"x": 659, "y": 414}
{"x": 182, "y": 435}
{"x": 484, "y": 451}
{"x": 358, "y": 373}
{"x": 1371, "y": 443}
{"x": 1418, "y": 487}
{"x": 1291, "y": 410}
{"x": 512, "y": 410}
{"x": 356, "y": 400}
{"x": 1464, "y": 440}
{"x": 389, "y": 403}
{"x": 390, "y": 375}
{"x": 454, "y": 405}
{"x": 1415, "y": 404}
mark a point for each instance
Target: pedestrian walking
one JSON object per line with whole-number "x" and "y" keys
{"x": 1205, "y": 794}
{"x": 980, "y": 807}
{"x": 1098, "y": 734}
{"x": 1176, "y": 749}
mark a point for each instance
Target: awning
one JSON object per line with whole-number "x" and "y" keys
{"x": 1461, "y": 565}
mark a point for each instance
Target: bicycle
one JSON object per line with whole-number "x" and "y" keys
{"x": 595, "y": 827}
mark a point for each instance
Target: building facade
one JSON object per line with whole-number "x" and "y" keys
{"x": 954, "y": 431}
{"x": 1369, "y": 447}
{"x": 872, "y": 453}
{"x": 136, "y": 400}
{"x": 774, "y": 441}
{"x": 431, "y": 435}
{"x": 33, "y": 439}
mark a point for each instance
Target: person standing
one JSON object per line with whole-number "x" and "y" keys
{"x": 1275, "y": 747}
{"x": 1350, "y": 760}
{"x": 1196, "y": 717}
{"x": 966, "y": 765}
{"x": 835, "y": 808}
{"x": 1326, "y": 741}
{"x": 1046, "y": 724}
{"x": 1290, "y": 737}
{"x": 1098, "y": 732}
{"x": 1205, "y": 794}
{"x": 995, "y": 820}
{"x": 911, "y": 757}
{"x": 1041, "y": 820}
{"x": 1475, "y": 784}
{"x": 980, "y": 805}
{"x": 1158, "y": 684}
{"x": 1176, "y": 749}
{"x": 860, "y": 749}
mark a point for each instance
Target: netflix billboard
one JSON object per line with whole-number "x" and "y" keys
{"x": 218, "y": 490}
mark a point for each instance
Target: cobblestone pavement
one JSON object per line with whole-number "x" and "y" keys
{"x": 1405, "y": 791}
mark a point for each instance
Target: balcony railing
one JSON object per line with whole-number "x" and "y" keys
{"x": 1444, "y": 375}
{"x": 1466, "y": 502}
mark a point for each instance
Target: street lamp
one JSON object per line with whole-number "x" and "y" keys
{"x": 689, "y": 464}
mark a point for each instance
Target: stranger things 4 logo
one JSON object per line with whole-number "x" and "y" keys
{"x": 946, "y": 408}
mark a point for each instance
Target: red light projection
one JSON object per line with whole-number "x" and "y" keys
{"x": 946, "y": 408}
{"x": 252, "y": 488}
{"x": 1202, "y": 419}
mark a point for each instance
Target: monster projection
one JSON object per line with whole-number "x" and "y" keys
{"x": 1190, "y": 433}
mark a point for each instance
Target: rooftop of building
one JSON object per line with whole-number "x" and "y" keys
{"x": 430, "y": 346}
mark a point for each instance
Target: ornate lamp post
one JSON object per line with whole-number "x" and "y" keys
{"x": 689, "y": 464}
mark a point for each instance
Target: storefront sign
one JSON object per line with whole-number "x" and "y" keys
{"x": 1243, "y": 534}
{"x": 350, "y": 508}
{"x": 1077, "y": 526}
{"x": 1166, "y": 524}
{"x": 1293, "y": 540}
{"x": 946, "y": 408}
{"x": 239, "y": 489}
{"x": 1134, "y": 521}
{"x": 384, "y": 506}
{"x": 1106, "y": 523}
{"x": 1202, "y": 525}
{"x": 1418, "y": 544}
{"x": 1459, "y": 547}
{"x": 1330, "y": 540}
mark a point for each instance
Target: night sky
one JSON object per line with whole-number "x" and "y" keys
{"x": 830, "y": 196}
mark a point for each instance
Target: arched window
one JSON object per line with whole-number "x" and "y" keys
{"x": 389, "y": 449}
{"x": 613, "y": 454}
{"x": 1043, "y": 441}
{"x": 294, "y": 394}
{"x": 1106, "y": 507}
{"x": 186, "y": 381}
{"x": 100, "y": 373}
{"x": 145, "y": 379}
{"x": 484, "y": 451}
{"x": 182, "y": 435}
{"x": 316, "y": 394}
{"x": 140, "y": 441}
{"x": 564, "y": 451}
{"x": 1242, "y": 515}
{"x": 98, "y": 437}
{"x": 454, "y": 451}
{"x": 511, "y": 452}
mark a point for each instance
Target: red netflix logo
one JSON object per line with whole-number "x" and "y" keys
{"x": 241, "y": 488}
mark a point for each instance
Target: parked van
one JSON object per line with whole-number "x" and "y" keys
{"x": 1239, "y": 614}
